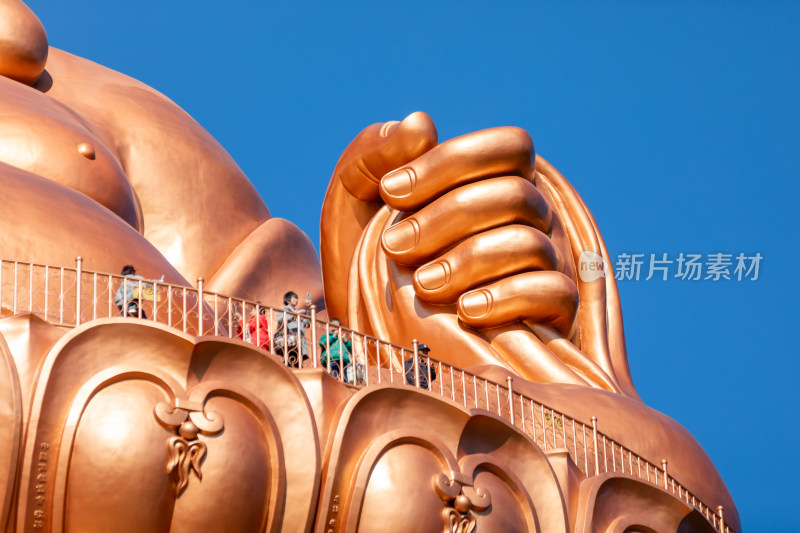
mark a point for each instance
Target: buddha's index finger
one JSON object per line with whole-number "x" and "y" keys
{"x": 506, "y": 151}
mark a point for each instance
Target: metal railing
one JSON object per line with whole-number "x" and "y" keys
{"x": 72, "y": 296}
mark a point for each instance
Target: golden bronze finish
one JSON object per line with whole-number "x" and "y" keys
{"x": 523, "y": 418}
{"x": 148, "y": 162}
{"x": 93, "y": 414}
{"x": 184, "y": 457}
{"x": 186, "y": 453}
{"x": 23, "y": 43}
{"x": 456, "y": 515}
{"x": 446, "y": 208}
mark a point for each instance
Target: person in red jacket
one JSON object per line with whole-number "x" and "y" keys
{"x": 257, "y": 330}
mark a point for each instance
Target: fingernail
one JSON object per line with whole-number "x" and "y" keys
{"x": 401, "y": 237}
{"x": 399, "y": 183}
{"x": 476, "y": 304}
{"x": 388, "y": 128}
{"x": 433, "y": 276}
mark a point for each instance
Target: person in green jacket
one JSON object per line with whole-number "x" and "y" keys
{"x": 339, "y": 349}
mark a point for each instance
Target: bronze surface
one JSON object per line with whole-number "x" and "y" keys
{"x": 470, "y": 245}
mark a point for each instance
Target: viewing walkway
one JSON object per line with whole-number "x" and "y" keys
{"x": 72, "y": 296}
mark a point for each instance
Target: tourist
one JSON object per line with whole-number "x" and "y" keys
{"x": 424, "y": 367}
{"x": 338, "y": 345}
{"x": 292, "y": 332}
{"x": 130, "y": 305}
{"x": 257, "y": 331}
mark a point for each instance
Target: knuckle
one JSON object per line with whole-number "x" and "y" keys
{"x": 567, "y": 291}
{"x": 520, "y": 187}
{"x": 526, "y": 237}
{"x": 518, "y": 136}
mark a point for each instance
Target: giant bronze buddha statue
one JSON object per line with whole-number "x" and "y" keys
{"x": 475, "y": 245}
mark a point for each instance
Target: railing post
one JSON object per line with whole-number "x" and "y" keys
{"x": 390, "y": 360}
{"x": 666, "y": 475}
{"x": 140, "y": 306}
{"x": 16, "y": 279}
{"x": 270, "y": 330}
{"x": 301, "y": 335}
{"x": 230, "y": 318}
{"x": 30, "y": 288}
{"x": 216, "y": 316}
{"x": 285, "y": 348}
{"x": 199, "y": 307}
{"x": 428, "y": 365}
{"x": 416, "y": 363}
{"x": 596, "y": 457}
{"x": 328, "y": 354}
{"x": 246, "y": 324}
{"x": 94, "y": 296}
{"x": 314, "y": 334}
{"x": 124, "y": 309}
{"x": 378, "y": 357}
{"x": 365, "y": 351}
{"x": 155, "y": 301}
{"x": 46, "y": 289}
{"x": 79, "y": 269}
{"x": 721, "y": 520}
{"x": 510, "y": 399}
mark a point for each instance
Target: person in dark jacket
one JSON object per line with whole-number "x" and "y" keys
{"x": 424, "y": 365}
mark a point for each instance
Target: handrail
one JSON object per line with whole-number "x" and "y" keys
{"x": 72, "y": 296}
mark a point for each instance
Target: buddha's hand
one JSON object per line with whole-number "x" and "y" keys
{"x": 476, "y": 229}
{"x": 467, "y": 220}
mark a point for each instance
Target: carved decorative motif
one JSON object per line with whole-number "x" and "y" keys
{"x": 183, "y": 456}
{"x": 455, "y": 522}
{"x": 185, "y": 451}
{"x": 461, "y": 497}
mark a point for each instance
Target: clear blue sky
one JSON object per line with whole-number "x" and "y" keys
{"x": 678, "y": 124}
